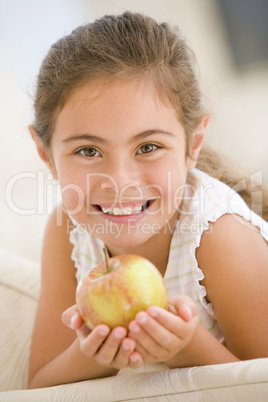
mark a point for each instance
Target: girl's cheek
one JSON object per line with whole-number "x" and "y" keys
{"x": 73, "y": 198}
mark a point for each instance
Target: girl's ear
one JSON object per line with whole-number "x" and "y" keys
{"x": 43, "y": 152}
{"x": 197, "y": 142}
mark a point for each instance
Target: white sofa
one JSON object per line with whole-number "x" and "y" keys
{"x": 19, "y": 290}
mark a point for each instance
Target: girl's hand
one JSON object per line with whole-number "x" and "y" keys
{"x": 161, "y": 334}
{"x": 111, "y": 348}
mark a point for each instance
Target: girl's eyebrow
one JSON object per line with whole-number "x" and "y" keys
{"x": 137, "y": 137}
{"x": 87, "y": 137}
{"x": 148, "y": 133}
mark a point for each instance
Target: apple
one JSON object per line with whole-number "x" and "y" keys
{"x": 117, "y": 289}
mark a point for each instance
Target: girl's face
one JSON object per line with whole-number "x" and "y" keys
{"x": 119, "y": 154}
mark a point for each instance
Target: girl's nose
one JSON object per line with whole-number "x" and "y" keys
{"x": 120, "y": 177}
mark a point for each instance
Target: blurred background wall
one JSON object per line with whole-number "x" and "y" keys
{"x": 234, "y": 79}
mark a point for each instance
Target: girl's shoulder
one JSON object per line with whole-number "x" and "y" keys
{"x": 232, "y": 236}
{"x": 208, "y": 199}
{"x": 56, "y": 244}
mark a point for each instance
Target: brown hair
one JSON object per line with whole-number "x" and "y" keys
{"x": 126, "y": 46}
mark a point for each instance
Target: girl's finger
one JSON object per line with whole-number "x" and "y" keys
{"x": 184, "y": 306}
{"x": 166, "y": 329}
{"x": 108, "y": 350}
{"x": 71, "y": 318}
{"x": 90, "y": 341}
{"x": 135, "y": 360}
{"x": 174, "y": 322}
{"x": 122, "y": 357}
{"x": 185, "y": 312}
{"x": 146, "y": 357}
{"x": 144, "y": 338}
{"x": 152, "y": 336}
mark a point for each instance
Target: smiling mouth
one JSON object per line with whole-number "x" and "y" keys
{"x": 124, "y": 211}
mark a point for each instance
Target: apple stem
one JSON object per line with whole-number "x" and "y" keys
{"x": 106, "y": 259}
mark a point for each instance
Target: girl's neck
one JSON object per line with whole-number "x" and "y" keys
{"x": 156, "y": 249}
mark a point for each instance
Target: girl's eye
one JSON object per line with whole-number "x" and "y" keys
{"x": 88, "y": 152}
{"x": 147, "y": 148}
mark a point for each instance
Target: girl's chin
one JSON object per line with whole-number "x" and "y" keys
{"x": 123, "y": 242}
{"x": 128, "y": 235}
{"x": 126, "y": 240}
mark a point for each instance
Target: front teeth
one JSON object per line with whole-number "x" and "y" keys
{"x": 122, "y": 211}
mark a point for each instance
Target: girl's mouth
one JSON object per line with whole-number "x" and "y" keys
{"x": 124, "y": 211}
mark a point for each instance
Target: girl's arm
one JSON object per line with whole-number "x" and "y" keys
{"x": 234, "y": 258}
{"x": 56, "y": 355}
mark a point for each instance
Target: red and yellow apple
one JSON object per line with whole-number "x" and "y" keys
{"x": 116, "y": 290}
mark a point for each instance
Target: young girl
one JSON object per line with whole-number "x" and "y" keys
{"x": 120, "y": 123}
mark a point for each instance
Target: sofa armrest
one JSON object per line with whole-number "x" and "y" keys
{"x": 243, "y": 381}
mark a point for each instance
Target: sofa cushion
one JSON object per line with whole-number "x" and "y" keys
{"x": 19, "y": 291}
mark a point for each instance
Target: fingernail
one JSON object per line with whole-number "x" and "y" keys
{"x": 104, "y": 332}
{"x": 73, "y": 319}
{"x": 118, "y": 335}
{"x": 126, "y": 346}
{"x": 189, "y": 313}
{"x": 152, "y": 312}
{"x": 142, "y": 319}
{"x": 136, "y": 329}
{"x": 134, "y": 358}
